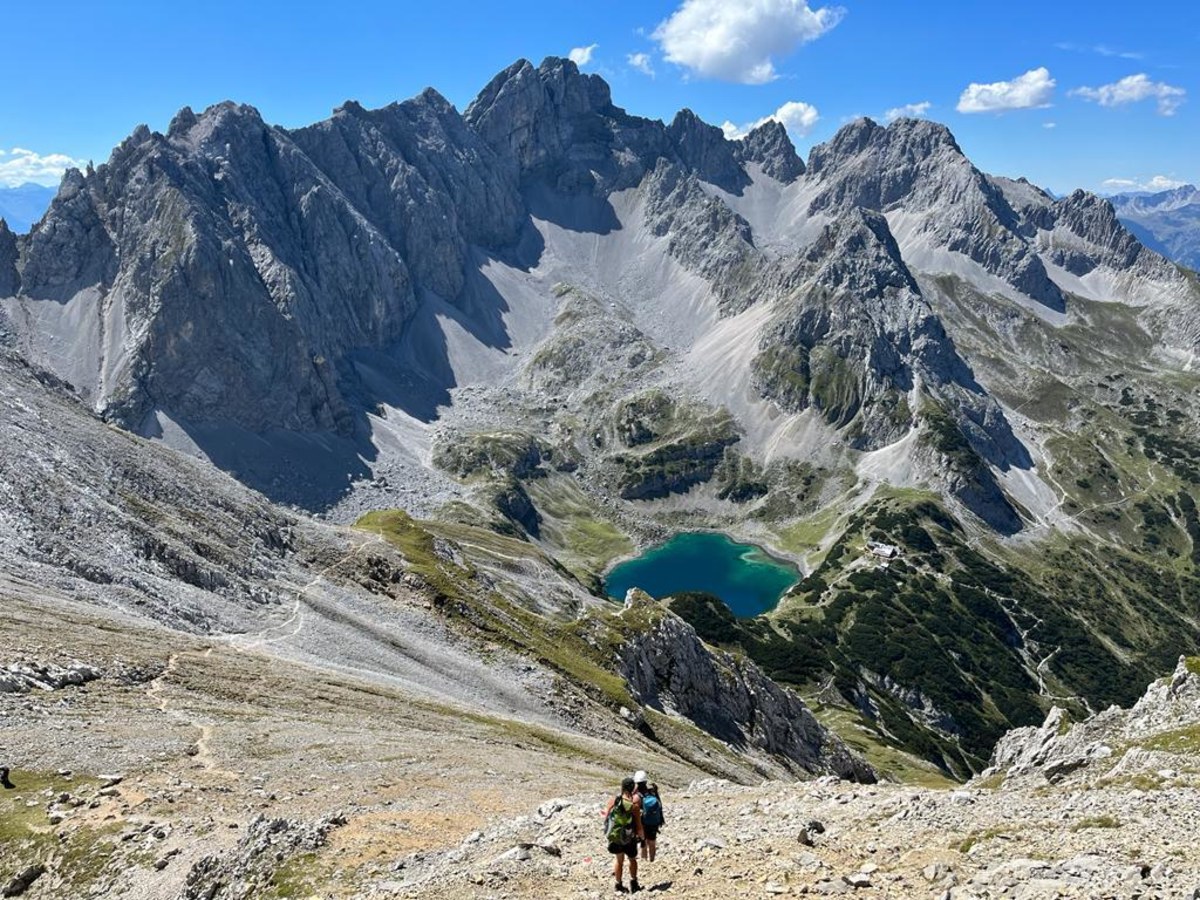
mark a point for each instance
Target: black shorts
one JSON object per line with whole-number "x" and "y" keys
{"x": 629, "y": 849}
{"x": 651, "y": 832}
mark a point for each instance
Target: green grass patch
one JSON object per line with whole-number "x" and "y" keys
{"x": 1179, "y": 740}
{"x": 978, "y": 837}
{"x": 1105, "y": 821}
{"x": 572, "y": 525}
{"x": 75, "y": 862}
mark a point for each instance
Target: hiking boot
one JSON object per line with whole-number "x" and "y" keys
{"x": 634, "y": 887}
{"x": 620, "y": 888}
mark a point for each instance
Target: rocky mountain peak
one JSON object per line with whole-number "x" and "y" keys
{"x": 857, "y": 252}
{"x": 182, "y": 122}
{"x": 225, "y": 123}
{"x": 916, "y": 166}
{"x": 1095, "y": 219}
{"x": 849, "y": 140}
{"x": 571, "y": 89}
{"x": 904, "y": 150}
{"x": 535, "y": 115}
{"x": 770, "y": 146}
{"x": 705, "y": 149}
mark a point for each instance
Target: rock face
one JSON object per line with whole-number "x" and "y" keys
{"x": 770, "y": 147}
{"x": 705, "y": 151}
{"x": 915, "y": 168}
{"x": 168, "y": 250}
{"x": 668, "y": 667}
{"x": 8, "y": 261}
{"x": 126, "y": 522}
{"x": 1113, "y": 743}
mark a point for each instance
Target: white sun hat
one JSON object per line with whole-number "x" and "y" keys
{"x": 639, "y": 776}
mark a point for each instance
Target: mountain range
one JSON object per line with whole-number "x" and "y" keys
{"x": 23, "y": 204}
{"x": 1166, "y": 221}
{"x": 545, "y": 332}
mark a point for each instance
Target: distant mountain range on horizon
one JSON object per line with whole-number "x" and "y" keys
{"x": 1165, "y": 221}
{"x": 25, "y": 204}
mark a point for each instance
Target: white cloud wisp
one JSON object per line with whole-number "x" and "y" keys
{"x": 1153, "y": 185}
{"x": 581, "y": 56}
{"x": 641, "y": 62}
{"x": 798, "y": 118}
{"x": 1133, "y": 89}
{"x": 20, "y": 166}
{"x": 907, "y": 111}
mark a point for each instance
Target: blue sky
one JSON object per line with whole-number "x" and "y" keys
{"x": 1068, "y": 94}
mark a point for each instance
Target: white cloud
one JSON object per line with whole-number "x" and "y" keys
{"x": 1163, "y": 183}
{"x": 1029, "y": 91}
{"x": 1049, "y": 124}
{"x": 907, "y": 111}
{"x": 798, "y": 118}
{"x": 1153, "y": 184}
{"x": 1132, "y": 89}
{"x": 641, "y": 62}
{"x": 21, "y": 166}
{"x": 581, "y": 56}
{"x": 1101, "y": 49}
{"x": 739, "y": 41}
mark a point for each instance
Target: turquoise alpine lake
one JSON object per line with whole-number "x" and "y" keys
{"x": 745, "y": 577}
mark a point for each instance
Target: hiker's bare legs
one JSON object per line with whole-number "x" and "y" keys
{"x": 649, "y": 848}
{"x": 619, "y": 867}
{"x": 633, "y": 867}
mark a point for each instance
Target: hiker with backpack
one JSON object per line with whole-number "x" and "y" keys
{"x": 652, "y": 820}
{"x": 623, "y": 830}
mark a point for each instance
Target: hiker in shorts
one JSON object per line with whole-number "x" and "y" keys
{"x": 652, "y": 820}
{"x": 623, "y": 830}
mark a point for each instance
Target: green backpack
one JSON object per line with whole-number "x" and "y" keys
{"x": 618, "y": 826}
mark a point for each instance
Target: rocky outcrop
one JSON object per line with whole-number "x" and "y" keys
{"x": 1151, "y": 737}
{"x": 427, "y": 181}
{"x": 668, "y": 667}
{"x": 770, "y": 147}
{"x": 250, "y": 867}
{"x": 668, "y": 447}
{"x": 22, "y": 677}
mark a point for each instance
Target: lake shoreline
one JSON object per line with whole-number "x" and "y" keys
{"x": 748, "y": 578}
